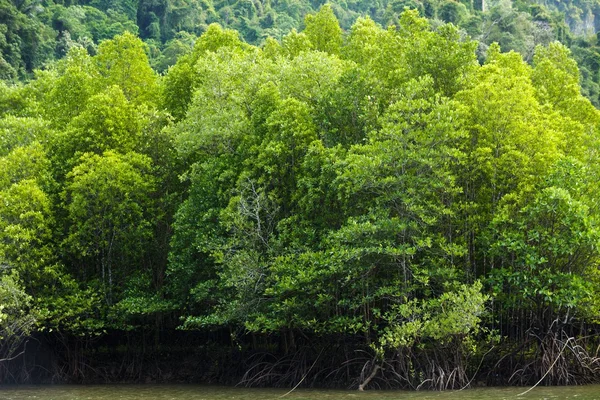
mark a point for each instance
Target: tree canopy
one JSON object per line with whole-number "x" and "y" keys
{"x": 389, "y": 192}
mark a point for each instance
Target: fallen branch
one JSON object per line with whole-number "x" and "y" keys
{"x": 362, "y": 386}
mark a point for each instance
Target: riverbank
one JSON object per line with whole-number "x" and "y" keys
{"x": 183, "y": 357}
{"x": 203, "y": 392}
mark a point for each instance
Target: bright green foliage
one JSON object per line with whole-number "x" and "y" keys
{"x": 182, "y": 79}
{"x": 290, "y": 132}
{"x": 392, "y": 57}
{"x": 448, "y": 60}
{"x": 177, "y": 87}
{"x": 79, "y": 79}
{"x": 449, "y": 325}
{"x": 320, "y": 233}
{"x": 108, "y": 201}
{"x": 556, "y": 78}
{"x": 108, "y": 122}
{"x": 378, "y": 191}
{"x": 555, "y": 75}
{"x": 25, "y": 230}
{"x": 319, "y": 73}
{"x": 442, "y": 54}
{"x": 122, "y": 61}
{"x": 295, "y": 43}
{"x": 25, "y": 216}
{"x": 363, "y": 41}
{"x": 513, "y": 142}
{"x": 25, "y": 163}
{"x": 21, "y": 131}
{"x": 18, "y": 100}
{"x": 323, "y": 30}
{"x": 399, "y": 201}
{"x": 363, "y": 191}
{"x": 545, "y": 253}
{"x": 226, "y": 80}
{"x": 27, "y": 226}
{"x": 216, "y": 37}
{"x": 452, "y": 316}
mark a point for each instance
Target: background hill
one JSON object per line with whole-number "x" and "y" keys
{"x": 35, "y": 32}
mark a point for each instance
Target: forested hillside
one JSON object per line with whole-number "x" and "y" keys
{"x": 34, "y": 33}
{"x": 376, "y": 207}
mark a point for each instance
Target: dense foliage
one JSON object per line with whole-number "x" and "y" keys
{"x": 33, "y": 33}
{"x": 377, "y": 191}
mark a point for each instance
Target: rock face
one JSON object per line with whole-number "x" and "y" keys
{"x": 583, "y": 24}
{"x": 582, "y": 17}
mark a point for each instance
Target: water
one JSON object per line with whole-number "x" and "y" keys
{"x": 194, "y": 392}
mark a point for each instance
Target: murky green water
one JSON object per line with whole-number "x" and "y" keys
{"x": 192, "y": 392}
